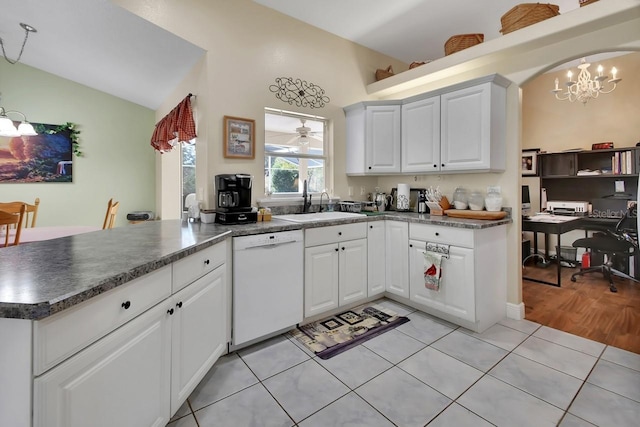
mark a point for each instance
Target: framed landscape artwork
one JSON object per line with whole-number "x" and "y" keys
{"x": 239, "y": 138}
{"x": 46, "y": 157}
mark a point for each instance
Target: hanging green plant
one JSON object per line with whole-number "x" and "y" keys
{"x": 69, "y": 128}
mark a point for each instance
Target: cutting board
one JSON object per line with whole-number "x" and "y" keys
{"x": 465, "y": 213}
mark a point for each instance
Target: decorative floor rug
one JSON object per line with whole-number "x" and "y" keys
{"x": 338, "y": 333}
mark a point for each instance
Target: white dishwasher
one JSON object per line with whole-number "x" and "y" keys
{"x": 268, "y": 284}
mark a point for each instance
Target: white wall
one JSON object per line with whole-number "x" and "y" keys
{"x": 117, "y": 159}
{"x": 248, "y": 46}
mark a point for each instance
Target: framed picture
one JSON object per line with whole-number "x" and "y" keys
{"x": 239, "y": 138}
{"x": 530, "y": 162}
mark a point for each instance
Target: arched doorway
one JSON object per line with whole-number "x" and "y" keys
{"x": 554, "y": 126}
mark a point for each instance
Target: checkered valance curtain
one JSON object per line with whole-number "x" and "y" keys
{"x": 176, "y": 127}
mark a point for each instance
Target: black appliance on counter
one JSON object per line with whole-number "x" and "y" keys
{"x": 233, "y": 199}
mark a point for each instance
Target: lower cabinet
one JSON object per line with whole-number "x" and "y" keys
{"x": 335, "y": 274}
{"x": 121, "y": 380}
{"x": 198, "y": 333}
{"x": 397, "y": 265}
{"x": 141, "y": 373}
{"x": 376, "y": 258}
{"x": 456, "y": 295}
{"x": 473, "y": 286}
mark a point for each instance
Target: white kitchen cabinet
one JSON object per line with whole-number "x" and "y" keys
{"x": 376, "y": 253}
{"x": 420, "y": 148}
{"x": 456, "y": 295}
{"x": 335, "y": 264}
{"x": 154, "y": 351}
{"x": 397, "y": 259}
{"x": 473, "y": 129}
{"x": 373, "y": 138}
{"x": 198, "y": 333}
{"x": 472, "y": 290}
{"x": 321, "y": 279}
{"x": 352, "y": 266}
{"x": 121, "y": 380}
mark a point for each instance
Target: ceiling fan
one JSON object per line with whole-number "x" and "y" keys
{"x": 303, "y": 131}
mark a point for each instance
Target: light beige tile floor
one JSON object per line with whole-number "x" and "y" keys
{"x": 425, "y": 372}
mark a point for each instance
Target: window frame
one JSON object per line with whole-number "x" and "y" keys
{"x": 325, "y": 157}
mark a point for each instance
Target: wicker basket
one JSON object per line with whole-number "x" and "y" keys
{"x": 383, "y": 74}
{"x": 462, "y": 41}
{"x": 586, "y": 2}
{"x": 527, "y": 14}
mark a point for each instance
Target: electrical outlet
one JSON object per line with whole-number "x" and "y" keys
{"x": 351, "y": 191}
{"x": 362, "y": 191}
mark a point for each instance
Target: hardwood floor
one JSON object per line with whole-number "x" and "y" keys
{"x": 585, "y": 307}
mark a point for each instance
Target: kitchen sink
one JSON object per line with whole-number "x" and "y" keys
{"x": 317, "y": 216}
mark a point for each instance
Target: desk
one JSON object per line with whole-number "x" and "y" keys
{"x": 551, "y": 224}
{"x": 37, "y": 234}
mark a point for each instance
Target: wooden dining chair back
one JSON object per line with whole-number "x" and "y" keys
{"x": 110, "y": 217}
{"x": 8, "y": 221}
{"x": 30, "y": 214}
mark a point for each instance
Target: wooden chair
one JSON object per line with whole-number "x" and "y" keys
{"x": 9, "y": 220}
{"x": 110, "y": 217}
{"x": 31, "y": 212}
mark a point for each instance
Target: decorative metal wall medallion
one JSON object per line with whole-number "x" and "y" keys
{"x": 299, "y": 92}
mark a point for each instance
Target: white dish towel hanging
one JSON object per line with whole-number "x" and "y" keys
{"x": 433, "y": 265}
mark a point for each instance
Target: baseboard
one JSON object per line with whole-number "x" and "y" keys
{"x": 515, "y": 311}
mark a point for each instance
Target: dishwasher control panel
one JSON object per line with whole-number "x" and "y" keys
{"x": 267, "y": 239}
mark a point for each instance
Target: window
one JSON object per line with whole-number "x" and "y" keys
{"x": 295, "y": 147}
{"x": 188, "y": 163}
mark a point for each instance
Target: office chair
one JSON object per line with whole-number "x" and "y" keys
{"x": 623, "y": 242}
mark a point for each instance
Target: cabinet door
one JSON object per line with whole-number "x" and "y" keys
{"x": 466, "y": 129}
{"x": 320, "y": 279}
{"x": 382, "y": 139}
{"x": 397, "y": 239}
{"x": 352, "y": 271}
{"x": 198, "y": 333}
{"x": 456, "y": 295}
{"x": 376, "y": 252}
{"x": 559, "y": 164}
{"x": 421, "y": 135}
{"x": 121, "y": 380}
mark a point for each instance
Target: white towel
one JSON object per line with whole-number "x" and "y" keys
{"x": 432, "y": 270}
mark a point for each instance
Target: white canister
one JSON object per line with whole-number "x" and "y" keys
{"x": 402, "y": 198}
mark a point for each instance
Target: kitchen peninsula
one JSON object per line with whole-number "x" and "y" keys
{"x": 107, "y": 314}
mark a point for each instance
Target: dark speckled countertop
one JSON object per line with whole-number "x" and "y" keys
{"x": 42, "y": 278}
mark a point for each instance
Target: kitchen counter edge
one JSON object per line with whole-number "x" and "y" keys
{"x": 141, "y": 253}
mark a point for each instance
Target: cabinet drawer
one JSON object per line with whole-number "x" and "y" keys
{"x": 194, "y": 266}
{"x": 335, "y": 233}
{"x": 59, "y": 336}
{"x": 440, "y": 234}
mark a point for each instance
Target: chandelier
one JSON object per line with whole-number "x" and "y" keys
{"x": 8, "y": 128}
{"x": 586, "y": 88}
{"x": 27, "y": 29}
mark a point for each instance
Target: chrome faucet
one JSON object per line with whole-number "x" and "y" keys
{"x": 306, "y": 204}
{"x": 328, "y": 199}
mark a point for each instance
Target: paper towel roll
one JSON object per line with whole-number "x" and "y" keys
{"x": 402, "y": 198}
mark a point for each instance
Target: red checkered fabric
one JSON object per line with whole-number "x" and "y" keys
{"x": 176, "y": 127}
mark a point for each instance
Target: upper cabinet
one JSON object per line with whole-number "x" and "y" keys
{"x": 420, "y": 150}
{"x": 456, "y": 129}
{"x": 473, "y": 129}
{"x": 373, "y": 138}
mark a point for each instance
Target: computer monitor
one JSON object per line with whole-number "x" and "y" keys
{"x": 526, "y": 200}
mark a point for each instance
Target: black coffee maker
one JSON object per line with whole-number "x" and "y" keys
{"x": 233, "y": 199}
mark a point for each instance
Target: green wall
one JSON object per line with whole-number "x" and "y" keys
{"x": 117, "y": 160}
